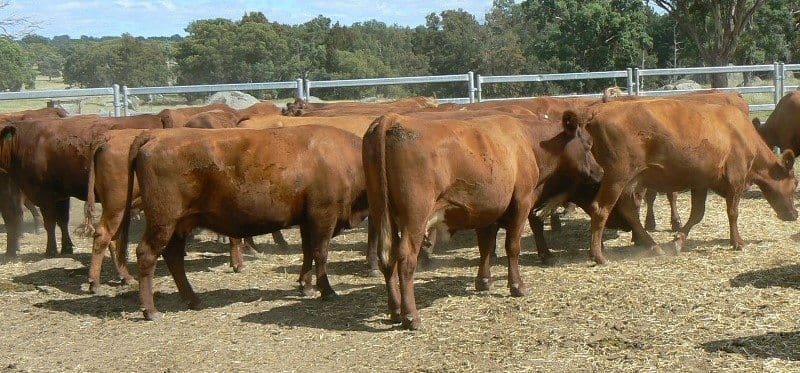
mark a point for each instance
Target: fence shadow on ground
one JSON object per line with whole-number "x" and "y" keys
{"x": 772, "y": 345}
{"x": 787, "y": 276}
{"x": 352, "y": 310}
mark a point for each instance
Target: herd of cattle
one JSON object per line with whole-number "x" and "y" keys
{"x": 418, "y": 170}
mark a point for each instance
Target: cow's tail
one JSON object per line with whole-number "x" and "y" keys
{"x": 374, "y": 158}
{"x": 87, "y": 228}
{"x": 140, "y": 140}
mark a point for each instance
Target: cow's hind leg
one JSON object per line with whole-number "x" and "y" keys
{"x": 675, "y": 217}
{"x": 174, "y": 255}
{"x": 537, "y": 226}
{"x": 650, "y": 216}
{"x": 695, "y": 216}
{"x": 37, "y": 216}
{"x": 513, "y": 244}
{"x": 407, "y": 252}
{"x": 277, "y": 236}
{"x": 607, "y": 196}
{"x": 732, "y": 203}
{"x": 103, "y": 238}
{"x": 153, "y": 242}
{"x": 487, "y": 244}
{"x": 626, "y": 206}
{"x": 62, "y": 219}
{"x": 11, "y": 210}
{"x": 316, "y": 239}
{"x": 49, "y": 218}
{"x": 237, "y": 248}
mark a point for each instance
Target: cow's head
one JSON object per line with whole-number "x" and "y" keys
{"x": 8, "y": 143}
{"x": 576, "y": 157}
{"x": 780, "y": 186}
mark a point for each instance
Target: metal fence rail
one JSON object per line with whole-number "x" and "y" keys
{"x": 467, "y": 78}
{"x": 776, "y": 89}
{"x": 481, "y": 80}
{"x": 112, "y": 91}
{"x": 474, "y": 84}
{"x": 297, "y": 85}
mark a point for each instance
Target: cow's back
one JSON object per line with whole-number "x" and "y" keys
{"x": 690, "y": 139}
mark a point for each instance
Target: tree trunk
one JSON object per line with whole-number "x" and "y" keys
{"x": 719, "y": 80}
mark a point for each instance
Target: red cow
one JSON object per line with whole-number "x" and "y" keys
{"x": 673, "y": 145}
{"x": 242, "y": 182}
{"x": 460, "y": 174}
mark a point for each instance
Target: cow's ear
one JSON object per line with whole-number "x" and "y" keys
{"x": 756, "y": 123}
{"x": 787, "y": 159}
{"x": 7, "y": 133}
{"x": 571, "y": 122}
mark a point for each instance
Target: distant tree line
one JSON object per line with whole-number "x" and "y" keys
{"x": 541, "y": 36}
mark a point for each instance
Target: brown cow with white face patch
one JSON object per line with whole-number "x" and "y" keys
{"x": 460, "y": 174}
{"x": 242, "y": 182}
{"x": 674, "y": 145}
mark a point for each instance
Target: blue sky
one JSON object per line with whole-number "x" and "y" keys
{"x": 169, "y": 17}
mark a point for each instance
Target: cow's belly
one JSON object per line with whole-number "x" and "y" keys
{"x": 472, "y": 205}
{"x": 675, "y": 179}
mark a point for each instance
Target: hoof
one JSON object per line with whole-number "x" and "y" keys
{"x": 67, "y": 249}
{"x": 600, "y": 260}
{"x": 11, "y": 254}
{"x": 650, "y": 225}
{"x": 239, "y": 268}
{"x": 411, "y": 323}
{"x": 518, "y": 290}
{"x": 549, "y": 261}
{"x": 308, "y": 291}
{"x": 51, "y": 253}
{"x": 330, "y": 296}
{"x": 394, "y": 317}
{"x": 676, "y": 225}
{"x": 483, "y": 284}
{"x": 152, "y": 315}
{"x": 678, "y": 241}
{"x": 739, "y": 246}
{"x": 374, "y": 273}
{"x": 94, "y": 288}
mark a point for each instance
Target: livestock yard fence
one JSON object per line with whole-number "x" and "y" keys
{"x": 633, "y": 77}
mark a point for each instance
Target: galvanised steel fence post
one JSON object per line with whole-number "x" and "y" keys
{"x": 115, "y": 90}
{"x": 478, "y": 81}
{"x": 299, "y": 91}
{"x": 124, "y": 101}
{"x": 636, "y": 81}
{"x": 471, "y": 86}
{"x": 629, "y": 71}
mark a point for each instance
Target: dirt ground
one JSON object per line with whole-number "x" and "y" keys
{"x": 707, "y": 308}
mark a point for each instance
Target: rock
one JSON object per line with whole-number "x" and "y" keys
{"x": 735, "y": 79}
{"x": 235, "y": 99}
{"x": 754, "y": 82}
{"x": 686, "y": 84}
